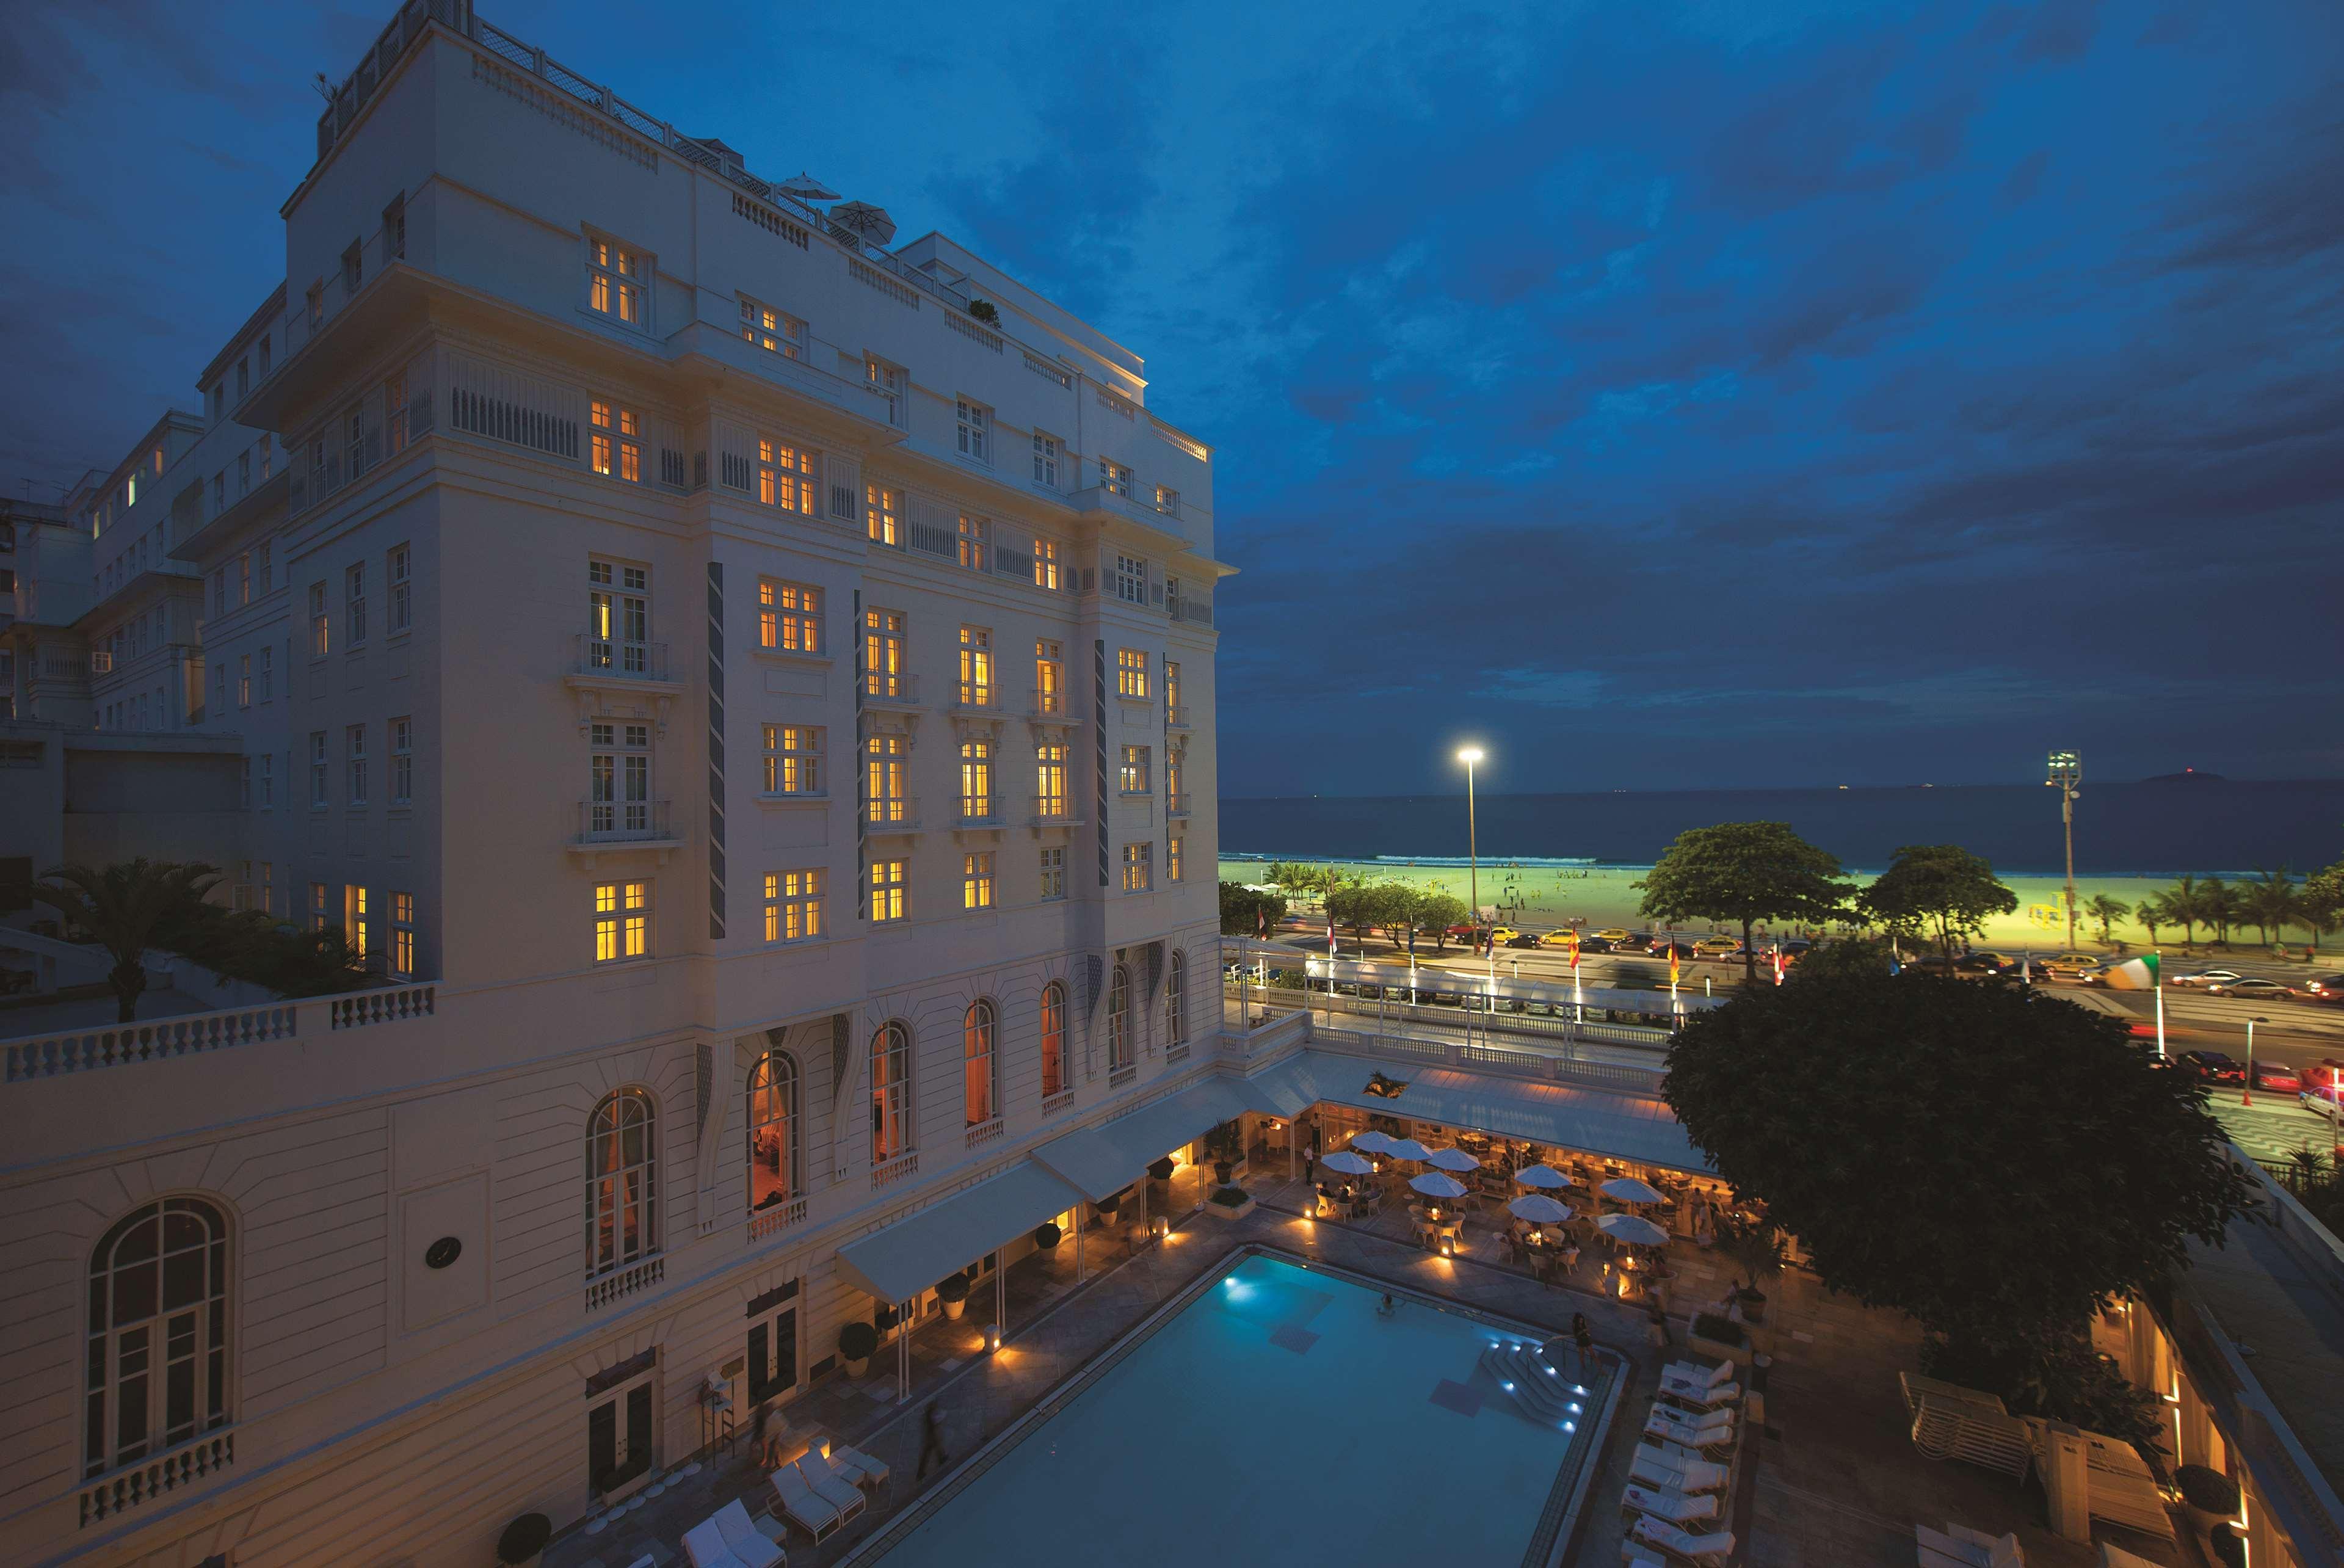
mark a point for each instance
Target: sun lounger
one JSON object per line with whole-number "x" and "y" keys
{"x": 1675, "y": 1507}
{"x": 1715, "y": 1434}
{"x": 832, "y": 1487}
{"x": 800, "y": 1504}
{"x": 1655, "y": 1469}
{"x": 748, "y": 1543}
{"x": 1709, "y": 1550}
{"x": 867, "y": 1471}
{"x": 1694, "y": 1375}
{"x": 704, "y": 1544}
{"x": 1703, "y": 1399}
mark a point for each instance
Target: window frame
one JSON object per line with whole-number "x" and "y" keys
{"x": 789, "y": 617}
{"x": 774, "y": 1080}
{"x": 895, "y": 1128}
{"x": 623, "y": 912}
{"x": 973, "y": 421}
{"x": 618, "y": 282}
{"x": 1118, "y": 1020}
{"x": 976, "y": 881}
{"x": 772, "y": 328}
{"x": 621, "y": 1225}
{"x": 155, "y": 1338}
{"x": 793, "y": 759}
{"x": 980, "y": 1063}
{"x": 794, "y": 906}
{"x": 1053, "y": 1034}
{"x": 889, "y": 887}
{"x": 1140, "y": 867}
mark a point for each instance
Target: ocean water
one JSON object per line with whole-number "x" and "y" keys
{"x": 2197, "y": 825}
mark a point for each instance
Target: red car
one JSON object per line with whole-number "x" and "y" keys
{"x": 2278, "y": 1078}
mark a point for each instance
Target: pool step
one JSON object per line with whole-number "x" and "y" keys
{"x": 1534, "y": 1382}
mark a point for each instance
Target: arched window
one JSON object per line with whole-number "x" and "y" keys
{"x": 773, "y": 1130}
{"x": 1176, "y": 991}
{"x": 156, "y": 1372}
{"x": 891, "y": 1092}
{"x": 1118, "y": 1021}
{"x": 976, "y": 1063}
{"x": 1054, "y": 1039}
{"x": 621, "y": 1182}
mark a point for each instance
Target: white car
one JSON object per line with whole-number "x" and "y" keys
{"x": 2202, "y": 977}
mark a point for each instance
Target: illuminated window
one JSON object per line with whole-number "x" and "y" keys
{"x": 623, "y": 920}
{"x": 1176, "y": 998}
{"x": 775, "y": 332}
{"x": 614, "y": 282}
{"x": 1133, "y": 775}
{"x": 622, "y": 1181}
{"x": 792, "y": 759}
{"x": 1172, "y": 858}
{"x": 979, "y": 1101}
{"x": 974, "y": 549}
{"x": 885, "y": 762}
{"x": 618, "y": 442}
{"x": 1114, "y": 478}
{"x": 1168, "y": 502}
{"x": 357, "y": 923}
{"x": 976, "y": 880}
{"x": 1130, "y": 672}
{"x": 618, "y": 617}
{"x": 402, "y": 936}
{"x": 883, "y": 674}
{"x": 1172, "y": 781}
{"x": 888, "y": 891}
{"x": 975, "y": 667}
{"x": 1049, "y": 678}
{"x": 1171, "y": 683}
{"x": 1130, "y": 580}
{"x": 1054, "y": 1039}
{"x": 1046, "y": 460}
{"x": 789, "y": 617}
{"x": 887, "y": 380}
{"x": 1139, "y": 867}
{"x": 975, "y": 425}
{"x": 354, "y": 605}
{"x": 619, "y": 776}
{"x": 793, "y": 904}
{"x": 976, "y": 784}
{"x": 891, "y": 1092}
{"x": 1050, "y": 779}
{"x": 1119, "y": 1020}
{"x": 1046, "y": 564}
{"x": 402, "y": 761}
{"x": 883, "y": 515}
{"x": 157, "y": 1333}
{"x": 1053, "y": 872}
{"x": 785, "y": 476}
{"x": 773, "y": 1130}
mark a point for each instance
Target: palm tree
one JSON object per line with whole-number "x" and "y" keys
{"x": 2182, "y": 908}
{"x": 2218, "y": 905}
{"x": 2150, "y": 913}
{"x": 123, "y": 907}
{"x": 2272, "y": 901}
{"x": 2106, "y": 912}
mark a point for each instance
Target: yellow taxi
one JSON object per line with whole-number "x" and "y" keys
{"x": 1501, "y": 935}
{"x": 1716, "y": 946}
{"x": 1612, "y": 934}
{"x": 1560, "y": 938}
{"x": 2069, "y": 965}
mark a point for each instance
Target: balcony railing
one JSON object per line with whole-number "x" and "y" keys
{"x": 892, "y": 813}
{"x": 1051, "y": 706}
{"x": 977, "y": 811}
{"x": 623, "y": 821}
{"x": 616, "y": 1284}
{"x": 1176, "y": 805}
{"x": 972, "y": 694}
{"x": 1059, "y": 813}
{"x": 173, "y": 1470}
{"x": 1055, "y": 1103}
{"x": 608, "y": 659}
{"x": 987, "y": 1132}
{"x": 887, "y": 1172}
{"x": 896, "y": 689}
{"x": 776, "y": 1218}
{"x": 1175, "y": 717}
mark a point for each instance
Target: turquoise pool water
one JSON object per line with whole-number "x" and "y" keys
{"x": 1278, "y": 1418}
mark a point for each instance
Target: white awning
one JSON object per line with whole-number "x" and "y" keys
{"x": 1112, "y": 1155}
{"x": 899, "y": 1261}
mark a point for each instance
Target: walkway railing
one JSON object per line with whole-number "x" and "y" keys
{"x": 192, "y": 1033}
{"x": 1617, "y": 1076}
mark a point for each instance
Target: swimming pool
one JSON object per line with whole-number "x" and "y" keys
{"x": 1275, "y": 1411}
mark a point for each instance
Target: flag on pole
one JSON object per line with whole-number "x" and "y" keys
{"x": 2134, "y": 975}
{"x": 1672, "y": 966}
{"x": 1778, "y": 964}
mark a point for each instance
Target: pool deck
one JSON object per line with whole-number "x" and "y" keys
{"x": 1833, "y": 1478}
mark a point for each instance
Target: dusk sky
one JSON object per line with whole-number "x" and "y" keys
{"x": 1666, "y": 396}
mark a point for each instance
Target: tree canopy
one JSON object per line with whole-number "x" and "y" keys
{"x": 126, "y": 905}
{"x": 1744, "y": 872}
{"x": 1936, "y": 891}
{"x": 1247, "y": 911}
{"x": 1899, "y": 1127}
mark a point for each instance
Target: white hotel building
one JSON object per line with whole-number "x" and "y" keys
{"x": 758, "y": 713}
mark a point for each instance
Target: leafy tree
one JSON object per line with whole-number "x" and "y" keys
{"x": 2271, "y": 902}
{"x": 1894, "y": 1125}
{"x": 1396, "y": 907}
{"x": 1936, "y": 890}
{"x": 1436, "y": 913}
{"x": 2185, "y": 906}
{"x": 1845, "y": 955}
{"x": 1744, "y": 872}
{"x": 2323, "y": 898}
{"x": 1355, "y": 907}
{"x": 1247, "y": 911}
{"x": 123, "y": 907}
{"x": 2218, "y": 905}
{"x": 2150, "y": 913}
{"x": 2106, "y": 912}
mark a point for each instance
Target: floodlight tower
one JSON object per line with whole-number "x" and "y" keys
{"x": 2067, "y": 770}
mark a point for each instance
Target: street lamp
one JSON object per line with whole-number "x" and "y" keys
{"x": 2067, "y": 770}
{"x": 1469, "y": 755}
{"x": 2247, "y": 1089}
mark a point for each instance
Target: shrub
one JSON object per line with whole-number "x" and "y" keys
{"x": 1231, "y": 1197}
{"x": 2207, "y": 1491}
{"x": 1718, "y": 1330}
{"x": 1047, "y": 1235}
{"x": 953, "y": 1288}
{"x": 857, "y": 1341}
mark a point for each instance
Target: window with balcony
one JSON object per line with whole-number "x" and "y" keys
{"x": 883, "y": 515}
{"x": 1053, "y": 872}
{"x": 157, "y": 1334}
{"x": 1049, "y": 679}
{"x": 793, "y": 759}
{"x": 1172, "y": 684}
{"x": 789, "y": 617}
{"x": 773, "y": 1130}
{"x": 891, "y": 1091}
{"x": 975, "y": 667}
{"x": 1046, "y": 460}
{"x": 618, "y": 617}
{"x": 1131, "y": 672}
{"x": 402, "y": 936}
{"x": 402, "y": 603}
{"x": 619, "y": 767}
{"x": 622, "y": 921}
{"x": 402, "y": 761}
{"x": 616, "y": 277}
{"x": 975, "y": 424}
{"x": 975, "y": 542}
{"x": 793, "y": 911}
{"x": 617, "y": 442}
{"x": 1054, "y": 1081}
{"x": 889, "y": 381}
{"x": 1115, "y": 479}
{"x": 1172, "y": 789}
{"x": 1050, "y": 779}
{"x": 1173, "y": 847}
{"x": 784, "y": 476}
{"x": 622, "y": 1180}
{"x": 1130, "y": 580}
{"x": 889, "y": 890}
{"x": 1119, "y": 1020}
{"x": 980, "y": 1094}
{"x": 1046, "y": 564}
{"x": 1132, "y": 776}
{"x": 1176, "y": 1000}
{"x": 884, "y": 673}
{"x": 886, "y": 763}
{"x": 354, "y": 605}
{"x": 774, "y": 331}
{"x": 976, "y": 880}
{"x": 1139, "y": 867}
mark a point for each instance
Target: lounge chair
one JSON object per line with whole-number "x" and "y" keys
{"x": 1697, "y": 1374}
{"x": 1709, "y": 1550}
{"x": 1962, "y": 1547}
{"x": 704, "y": 1544}
{"x": 831, "y": 1487}
{"x": 1717, "y": 1433}
{"x": 1701, "y": 1403}
{"x": 801, "y": 1505}
{"x": 1655, "y": 1469}
{"x": 868, "y": 1471}
{"x": 1676, "y": 1507}
{"x": 748, "y": 1543}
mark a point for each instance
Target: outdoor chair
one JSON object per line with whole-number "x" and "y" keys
{"x": 1716, "y": 1435}
{"x": 831, "y": 1487}
{"x": 748, "y": 1543}
{"x": 1709, "y": 1550}
{"x": 1654, "y": 1467}
{"x": 1700, "y": 1399}
{"x": 1675, "y": 1507}
{"x": 704, "y": 1544}
{"x": 801, "y": 1506}
{"x": 1696, "y": 1372}
{"x": 868, "y": 1471}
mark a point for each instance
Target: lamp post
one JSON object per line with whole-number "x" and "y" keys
{"x": 2066, "y": 772}
{"x": 1469, "y": 755}
{"x": 2247, "y": 1089}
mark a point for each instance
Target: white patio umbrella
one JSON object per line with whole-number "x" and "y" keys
{"x": 1410, "y": 1149}
{"x": 1627, "y": 1189}
{"x": 1453, "y": 1159}
{"x": 805, "y": 187}
{"x": 1438, "y": 1184}
{"x": 1539, "y": 1209}
{"x": 1343, "y": 1162}
{"x": 1541, "y": 1176}
{"x": 1633, "y": 1228}
{"x": 1372, "y": 1141}
{"x": 864, "y": 221}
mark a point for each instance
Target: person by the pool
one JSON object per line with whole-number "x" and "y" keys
{"x": 1388, "y": 1308}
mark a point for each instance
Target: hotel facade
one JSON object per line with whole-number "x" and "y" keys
{"x": 753, "y": 703}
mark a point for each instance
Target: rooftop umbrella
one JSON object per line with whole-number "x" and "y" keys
{"x": 1372, "y": 1141}
{"x": 1541, "y": 1176}
{"x": 864, "y": 221}
{"x": 1453, "y": 1159}
{"x": 805, "y": 187}
{"x": 1343, "y": 1162}
{"x": 1436, "y": 1184}
{"x": 1633, "y": 1228}
{"x": 1409, "y": 1148}
{"x": 1627, "y": 1189}
{"x": 1539, "y": 1209}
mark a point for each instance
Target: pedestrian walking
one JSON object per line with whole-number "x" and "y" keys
{"x": 1582, "y": 1338}
{"x": 932, "y": 1441}
{"x": 1657, "y": 1319}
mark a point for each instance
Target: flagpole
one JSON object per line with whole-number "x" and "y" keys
{"x": 2157, "y": 962}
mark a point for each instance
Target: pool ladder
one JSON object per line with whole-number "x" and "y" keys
{"x": 1527, "y": 1373}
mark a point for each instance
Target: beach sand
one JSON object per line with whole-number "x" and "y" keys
{"x": 1605, "y": 895}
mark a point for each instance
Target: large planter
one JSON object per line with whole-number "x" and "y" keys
{"x": 856, "y": 1343}
{"x": 523, "y": 1540}
{"x": 1753, "y": 1305}
{"x": 953, "y": 1292}
{"x": 1720, "y": 1339}
{"x": 1221, "y": 1205}
{"x": 2211, "y": 1497}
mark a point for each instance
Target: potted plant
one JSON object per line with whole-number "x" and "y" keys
{"x": 1162, "y": 1169}
{"x": 1107, "y": 1207}
{"x": 523, "y": 1540}
{"x": 856, "y": 1343}
{"x": 1757, "y": 1247}
{"x": 2229, "y": 1546}
{"x": 984, "y": 311}
{"x": 953, "y": 1292}
{"x": 2211, "y": 1497}
{"x": 1046, "y": 1235}
{"x": 1229, "y": 1202}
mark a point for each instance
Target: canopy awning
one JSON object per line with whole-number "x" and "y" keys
{"x": 898, "y": 1261}
{"x": 1625, "y": 1127}
{"x": 1112, "y": 1155}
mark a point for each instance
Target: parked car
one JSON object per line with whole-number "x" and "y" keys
{"x": 2203, "y": 977}
{"x": 1983, "y": 964}
{"x": 1524, "y": 939}
{"x": 2320, "y": 1102}
{"x": 1718, "y": 946}
{"x": 1612, "y": 934}
{"x": 1502, "y": 936}
{"x": 2210, "y": 1067}
{"x": 1464, "y": 931}
{"x": 2278, "y": 1078}
{"x": 2068, "y": 966}
{"x": 1931, "y": 964}
{"x": 2252, "y": 988}
{"x": 1558, "y": 937}
{"x": 2326, "y": 988}
{"x": 1684, "y": 952}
